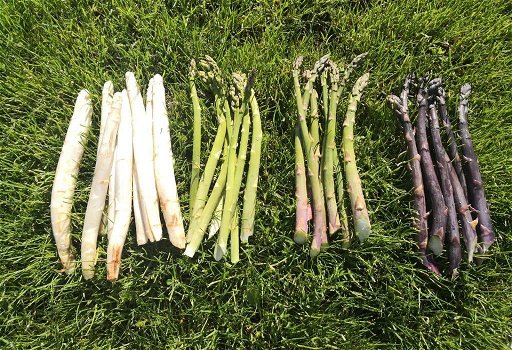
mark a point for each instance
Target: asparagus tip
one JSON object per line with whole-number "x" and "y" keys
{"x": 441, "y": 95}
{"x": 361, "y": 84}
{"x": 157, "y": 79}
{"x": 434, "y": 85}
{"x": 129, "y": 75}
{"x": 322, "y": 63}
{"x": 359, "y": 57}
{"x": 395, "y": 102}
{"x": 408, "y": 80}
{"x": 108, "y": 85}
{"x": 355, "y": 61}
{"x": 298, "y": 62}
{"x": 334, "y": 72}
{"x": 240, "y": 81}
{"x": 421, "y": 97}
{"x": 465, "y": 91}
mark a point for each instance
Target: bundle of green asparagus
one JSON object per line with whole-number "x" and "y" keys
{"x": 134, "y": 165}
{"x": 446, "y": 186}
{"x": 320, "y": 194}
{"x": 214, "y": 205}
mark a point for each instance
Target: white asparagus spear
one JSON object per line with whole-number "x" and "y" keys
{"x": 65, "y": 178}
{"x": 164, "y": 167}
{"x": 107, "y": 95}
{"x": 139, "y": 224}
{"x": 99, "y": 188}
{"x": 141, "y": 219}
{"x": 123, "y": 190}
{"x": 142, "y": 226}
{"x": 149, "y": 117}
{"x": 217, "y": 215}
{"x": 143, "y": 155}
{"x": 111, "y": 196}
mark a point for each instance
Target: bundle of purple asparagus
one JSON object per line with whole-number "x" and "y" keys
{"x": 319, "y": 186}
{"x": 451, "y": 188}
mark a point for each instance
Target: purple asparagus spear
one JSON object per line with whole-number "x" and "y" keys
{"x": 473, "y": 175}
{"x": 400, "y": 105}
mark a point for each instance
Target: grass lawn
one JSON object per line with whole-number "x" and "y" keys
{"x": 377, "y": 295}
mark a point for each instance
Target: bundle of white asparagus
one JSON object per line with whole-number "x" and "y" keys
{"x": 134, "y": 164}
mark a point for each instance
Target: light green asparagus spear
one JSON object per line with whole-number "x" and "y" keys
{"x": 196, "y": 149}
{"x": 235, "y": 238}
{"x": 301, "y": 192}
{"x": 199, "y": 227}
{"x": 249, "y": 206}
{"x": 348, "y": 70}
{"x": 360, "y": 213}
{"x": 319, "y": 231}
{"x": 330, "y": 146}
{"x": 338, "y": 169}
{"x": 209, "y": 171}
{"x": 243, "y": 87}
{"x": 231, "y": 190}
{"x": 315, "y": 127}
